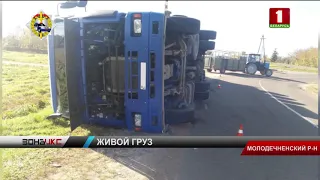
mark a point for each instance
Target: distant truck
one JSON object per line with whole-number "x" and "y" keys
{"x": 232, "y": 61}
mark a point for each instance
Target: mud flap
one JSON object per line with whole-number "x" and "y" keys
{"x": 74, "y": 73}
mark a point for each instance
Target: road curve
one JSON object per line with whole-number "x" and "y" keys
{"x": 241, "y": 100}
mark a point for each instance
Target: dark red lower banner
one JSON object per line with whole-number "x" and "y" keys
{"x": 254, "y": 148}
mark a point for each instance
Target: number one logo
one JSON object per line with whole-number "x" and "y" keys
{"x": 279, "y": 18}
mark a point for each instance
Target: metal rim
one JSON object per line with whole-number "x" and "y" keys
{"x": 251, "y": 69}
{"x": 269, "y": 72}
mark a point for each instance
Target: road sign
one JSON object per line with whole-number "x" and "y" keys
{"x": 279, "y": 18}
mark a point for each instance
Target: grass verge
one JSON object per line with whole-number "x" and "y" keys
{"x": 287, "y": 67}
{"x": 25, "y": 107}
{"x": 25, "y": 90}
{"x": 26, "y": 104}
{"x": 24, "y": 57}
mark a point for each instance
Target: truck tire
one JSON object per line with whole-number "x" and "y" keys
{"x": 202, "y": 95}
{"x": 183, "y": 24}
{"x": 269, "y": 72}
{"x": 207, "y": 35}
{"x": 252, "y": 69}
{"x": 206, "y": 45}
{"x": 202, "y": 86}
{"x": 178, "y": 116}
{"x": 200, "y": 62}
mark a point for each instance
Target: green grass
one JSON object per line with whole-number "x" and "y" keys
{"x": 25, "y": 108}
{"x": 26, "y": 104}
{"x": 287, "y": 67}
{"x": 19, "y": 163}
{"x": 24, "y": 57}
{"x": 25, "y": 90}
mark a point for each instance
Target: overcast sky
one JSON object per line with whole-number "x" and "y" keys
{"x": 239, "y": 25}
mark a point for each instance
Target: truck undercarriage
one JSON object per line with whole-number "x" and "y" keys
{"x": 117, "y": 77}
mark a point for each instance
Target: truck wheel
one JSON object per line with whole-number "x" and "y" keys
{"x": 252, "y": 69}
{"x": 201, "y": 63}
{"x": 202, "y": 96}
{"x": 207, "y": 35}
{"x": 177, "y": 116}
{"x": 206, "y": 45}
{"x": 183, "y": 25}
{"x": 269, "y": 72}
{"x": 202, "y": 86}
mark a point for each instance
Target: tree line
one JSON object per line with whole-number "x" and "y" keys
{"x": 24, "y": 40}
{"x": 301, "y": 57}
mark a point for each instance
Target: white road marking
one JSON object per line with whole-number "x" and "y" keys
{"x": 298, "y": 114}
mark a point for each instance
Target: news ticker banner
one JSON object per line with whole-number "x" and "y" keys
{"x": 272, "y": 145}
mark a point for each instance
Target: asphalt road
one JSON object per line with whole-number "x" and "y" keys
{"x": 243, "y": 99}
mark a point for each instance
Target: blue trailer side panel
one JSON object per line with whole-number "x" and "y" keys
{"x": 156, "y": 65}
{"x": 137, "y": 50}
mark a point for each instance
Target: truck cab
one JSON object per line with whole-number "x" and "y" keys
{"x": 253, "y": 58}
{"x": 255, "y": 63}
{"x": 117, "y": 69}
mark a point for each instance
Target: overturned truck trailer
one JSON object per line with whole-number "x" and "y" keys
{"x": 116, "y": 69}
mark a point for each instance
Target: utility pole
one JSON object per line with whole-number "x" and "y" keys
{"x": 263, "y": 48}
